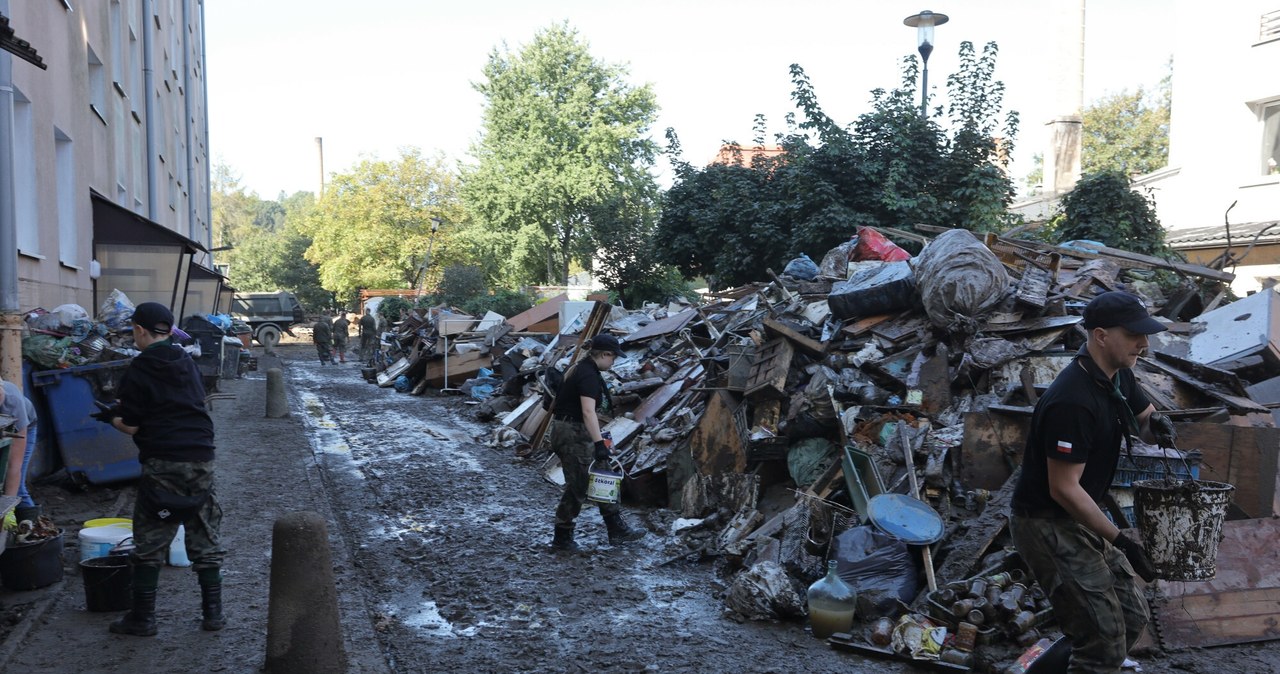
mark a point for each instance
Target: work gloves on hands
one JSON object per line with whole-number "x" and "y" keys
{"x": 1137, "y": 557}
{"x": 105, "y": 412}
{"x": 1162, "y": 429}
{"x": 602, "y": 450}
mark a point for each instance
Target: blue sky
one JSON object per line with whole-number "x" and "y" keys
{"x": 375, "y": 76}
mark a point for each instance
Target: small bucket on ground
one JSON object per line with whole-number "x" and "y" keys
{"x": 108, "y": 522}
{"x": 603, "y": 485}
{"x": 27, "y": 566}
{"x": 108, "y": 583}
{"x": 98, "y": 541}
{"x": 1181, "y": 525}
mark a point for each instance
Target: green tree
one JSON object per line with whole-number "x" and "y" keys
{"x": 234, "y": 211}
{"x": 1104, "y": 207}
{"x": 271, "y": 256}
{"x": 373, "y": 227}
{"x": 1127, "y": 132}
{"x": 562, "y": 134}
{"x": 891, "y": 168}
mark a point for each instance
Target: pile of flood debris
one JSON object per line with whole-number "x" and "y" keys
{"x": 774, "y": 418}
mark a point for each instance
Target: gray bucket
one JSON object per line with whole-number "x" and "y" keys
{"x": 1181, "y": 525}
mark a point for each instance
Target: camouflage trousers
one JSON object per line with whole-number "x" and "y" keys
{"x": 572, "y": 444}
{"x": 1096, "y": 600}
{"x": 152, "y": 535}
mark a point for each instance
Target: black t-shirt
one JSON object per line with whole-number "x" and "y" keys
{"x": 583, "y": 379}
{"x": 162, "y": 394}
{"x": 1078, "y": 420}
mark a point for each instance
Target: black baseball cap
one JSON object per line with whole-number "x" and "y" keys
{"x": 606, "y": 342}
{"x": 1119, "y": 308}
{"x": 154, "y": 317}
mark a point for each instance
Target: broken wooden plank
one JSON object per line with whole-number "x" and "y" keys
{"x": 781, "y": 329}
{"x": 515, "y": 417}
{"x": 862, "y": 325}
{"x": 656, "y": 401}
{"x": 540, "y": 314}
{"x": 716, "y": 443}
{"x": 1246, "y": 457}
{"x": 459, "y": 367}
{"x": 1033, "y": 287}
{"x": 668, "y": 325}
{"x": 1236, "y": 402}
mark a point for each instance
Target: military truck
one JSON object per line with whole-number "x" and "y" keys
{"x": 269, "y": 314}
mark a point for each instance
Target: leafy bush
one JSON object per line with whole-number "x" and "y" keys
{"x": 390, "y": 308}
{"x": 461, "y": 284}
{"x": 505, "y": 302}
{"x": 1104, "y": 207}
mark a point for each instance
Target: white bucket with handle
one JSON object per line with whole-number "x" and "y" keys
{"x": 603, "y": 484}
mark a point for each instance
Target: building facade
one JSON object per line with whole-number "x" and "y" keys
{"x": 109, "y": 157}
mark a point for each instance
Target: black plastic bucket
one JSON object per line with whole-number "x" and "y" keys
{"x": 108, "y": 582}
{"x": 27, "y": 566}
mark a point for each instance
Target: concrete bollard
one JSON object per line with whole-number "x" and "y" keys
{"x": 277, "y": 401}
{"x": 303, "y": 629}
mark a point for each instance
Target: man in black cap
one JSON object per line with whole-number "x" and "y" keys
{"x": 577, "y": 440}
{"x": 1078, "y": 556}
{"x": 162, "y": 406}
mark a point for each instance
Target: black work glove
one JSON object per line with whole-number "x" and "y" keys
{"x": 1162, "y": 429}
{"x": 602, "y": 450}
{"x": 1137, "y": 557}
{"x": 105, "y": 412}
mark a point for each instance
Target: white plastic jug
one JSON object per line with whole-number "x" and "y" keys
{"x": 178, "y": 549}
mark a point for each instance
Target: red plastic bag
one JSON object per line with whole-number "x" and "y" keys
{"x": 872, "y": 245}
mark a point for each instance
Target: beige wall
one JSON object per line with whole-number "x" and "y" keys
{"x": 107, "y": 152}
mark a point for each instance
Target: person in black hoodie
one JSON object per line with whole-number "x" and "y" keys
{"x": 162, "y": 406}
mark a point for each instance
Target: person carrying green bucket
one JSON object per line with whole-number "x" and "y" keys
{"x": 577, "y": 440}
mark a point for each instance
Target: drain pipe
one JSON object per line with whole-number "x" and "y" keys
{"x": 10, "y": 312}
{"x": 186, "y": 100}
{"x": 208, "y": 171}
{"x": 149, "y": 91}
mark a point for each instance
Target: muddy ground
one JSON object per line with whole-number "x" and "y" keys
{"x": 440, "y": 548}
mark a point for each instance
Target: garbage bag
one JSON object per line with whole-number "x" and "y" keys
{"x": 960, "y": 280}
{"x": 873, "y": 288}
{"x": 116, "y": 310}
{"x": 802, "y": 268}
{"x": 52, "y": 353}
{"x": 808, "y": 458}
{"x": 764, "y": 592}
{"x": 872, "y": 245}
{"x": 878, "y": 567}
{"x": 835, "y": 263}
{"x": 403, "y": 384}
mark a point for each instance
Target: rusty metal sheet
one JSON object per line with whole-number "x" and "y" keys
{"x": 1240, "y": 605}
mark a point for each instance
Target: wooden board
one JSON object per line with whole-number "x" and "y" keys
{"x": 515, "y": 417}
{"x": 660, "y": 398}
{"x": 540, "y": 313}
{"x": 461, "y": 367}
{"x": 1239, "y": 605}
{"x": 1241, "y": 456}
{"x": 988, "y": 438}
{"x": 783, "y": 330}
{"x": 716, "y": 442}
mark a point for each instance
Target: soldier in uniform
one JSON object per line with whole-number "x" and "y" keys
{"x": 340, "y": 334}
{"x": 368, "y": 335}
{"x": 162, "y": 406}
{"x": 322, "y": 335}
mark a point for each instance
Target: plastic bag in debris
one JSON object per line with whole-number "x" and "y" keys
{"x": 808, "y": 458}
{"x": 877, "y": 566}
{"x": 835, "y": 264}
{"x": 483, "y": 386}
{"x": 802, "y": 268}
{"x": 764, "y": 592}
{"x": 873, "y": 288}
{"x": 221, "y": 320}
{"x": 116, "y": 310}
{"x": 52, "y": 353}
{"x": 916, "y": 637}
{"x": 872, "y": 245}
{"x": 959, "y": 279}
{"x": 403, "y": 384}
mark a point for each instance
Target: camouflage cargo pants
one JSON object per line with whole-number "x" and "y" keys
{"x": 572, "y": 444}
{"x": 1091, "y": 585}
{"x": 152, "y": 535}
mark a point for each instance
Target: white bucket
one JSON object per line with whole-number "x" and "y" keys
{"x": 98, "y": 541}
{"x": 603, "y": 485}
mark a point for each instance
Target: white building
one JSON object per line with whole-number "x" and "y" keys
{"x": 107, "y": 154}
{"x": 1224, "y": 139}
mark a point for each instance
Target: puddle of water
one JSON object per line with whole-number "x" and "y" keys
{"x": 425, "y": 616}
{"x": 326, "y": 437}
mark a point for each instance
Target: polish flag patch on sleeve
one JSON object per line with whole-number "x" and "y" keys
{"x": 1064, "y": 447}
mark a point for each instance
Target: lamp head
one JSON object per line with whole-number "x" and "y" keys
{"x": 924, "y": 23}
{"x": 435, "y": 225}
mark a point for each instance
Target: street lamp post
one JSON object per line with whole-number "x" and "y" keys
{"x": 426, "y": 262}
{"x": 924, "y": 23}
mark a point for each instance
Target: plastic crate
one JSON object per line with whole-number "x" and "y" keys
{"x": 1131, "y": 469}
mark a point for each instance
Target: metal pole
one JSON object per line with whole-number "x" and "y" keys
{"x": 924, "y": 90}
{"x": 426, "y": 264}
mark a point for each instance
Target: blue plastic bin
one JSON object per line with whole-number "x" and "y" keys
{"x": 92, "y": 451}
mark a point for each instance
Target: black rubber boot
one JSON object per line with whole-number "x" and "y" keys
{"x": 31, "y": 513}
{"x": 564, "y": 539}
{"x": 619, "y": 532}
{"x": 211, "y": 607}
{"x": 140, "y": 621}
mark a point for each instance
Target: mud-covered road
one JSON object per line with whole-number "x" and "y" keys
{"x": 452, "y": 537}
